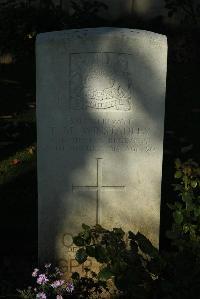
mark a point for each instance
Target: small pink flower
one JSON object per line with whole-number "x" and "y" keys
{"x": 70, "y": 287}
{"x": 57, "y": 283}
{"x": 35, "y": 272}
{"x": 42, "y": 279}
{"x": 59, "y": 297}
{"x": 41, "y": 295}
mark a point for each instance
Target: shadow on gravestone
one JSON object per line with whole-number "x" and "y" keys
{"x": 100, "y": 118}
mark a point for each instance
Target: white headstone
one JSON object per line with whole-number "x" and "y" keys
{"x": 100, "y": 120}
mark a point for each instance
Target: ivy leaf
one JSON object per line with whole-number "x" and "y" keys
{"x": 193, "y": 184}
{"x": 75, "y": 276}
{"x": 81, "y": 255}
{"x": 85, "y": 227}
{"x": 100, "y": 254}
{"x": 131, "y": 235}
{"x": 178, "y": 174}
{"x": 197, "y": 212}
{"x": 186, "y": 228}
{"x": 78, "y": 241}
{"x": 119, "y": 232}
{"x": 178, "y": 163}
{"x": 90, "y": 251}
{"x": 134, "y": 246}
{"x": 178, "y": 217}
{"x": 187, "y": 197}
{"x": 117, "y": 266}
{"x": 146, "y": 246}
{"x": 105, "y": 274}
{"x": 86, "y": 235}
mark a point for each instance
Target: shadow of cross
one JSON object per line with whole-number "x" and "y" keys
{"x": 99, "y": 187}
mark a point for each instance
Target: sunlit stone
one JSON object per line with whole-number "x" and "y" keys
{"x": 100, "y": 120}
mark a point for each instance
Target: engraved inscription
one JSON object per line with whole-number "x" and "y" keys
{"x": 71, "y": 265}
{"x": 119, "y": 135}
{"x": 99, "y": 187}
{"x": 97, "y": 81}
{"x": 68, "y": 263}
{"x": 68, "y": 243}
{"x": 67, "y": 240}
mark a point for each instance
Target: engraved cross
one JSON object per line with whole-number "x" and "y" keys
{"x": 99, "y": 187}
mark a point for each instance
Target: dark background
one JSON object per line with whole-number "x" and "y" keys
{"x": 19, "y": 25}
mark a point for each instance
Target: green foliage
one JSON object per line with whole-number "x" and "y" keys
{"x": 26, "y": 294}
{"x": 133, "y": 265}
{"x": 181, "y": 276}
{"x": 186, "y": 211}
{"x": 188, "y": 9}
{"x": 89, "y": 286}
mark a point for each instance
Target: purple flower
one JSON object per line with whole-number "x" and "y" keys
{"x": 70, "y": 287}
{"x": 41, "y": 295}
{"x": 59, "y": 297}
{"x": 57, "y": 283}
{"x": 35, "y": 272}
{"x": 42, "y": 279}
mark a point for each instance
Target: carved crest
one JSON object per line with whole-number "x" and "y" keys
{"x": 100, "y": 81}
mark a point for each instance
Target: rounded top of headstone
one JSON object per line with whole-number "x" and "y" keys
{"x": 100, "y": 31}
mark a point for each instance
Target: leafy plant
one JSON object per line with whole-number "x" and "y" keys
{"x": 132, "y": 265}
{"x": 135, "y": 267}
{"x": 186, "y": 210}
{"x": 89, "y": 286}
{"x": 181, "y": 276}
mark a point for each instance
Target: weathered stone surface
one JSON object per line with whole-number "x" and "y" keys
{"x": 100, "y": 120}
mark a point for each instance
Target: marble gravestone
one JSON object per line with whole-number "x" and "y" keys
{"x": 100, "y": 121}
